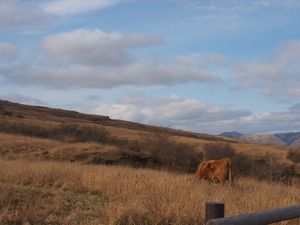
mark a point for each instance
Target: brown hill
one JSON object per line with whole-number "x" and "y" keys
{"x": 42, "y": 133}
{"x": 19, "y": 111}
{"x": 63, "y": 167}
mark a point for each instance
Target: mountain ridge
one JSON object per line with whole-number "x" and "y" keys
{"x": 289, "y": 139}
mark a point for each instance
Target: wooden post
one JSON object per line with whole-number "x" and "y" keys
{"x": 214, "y": 210}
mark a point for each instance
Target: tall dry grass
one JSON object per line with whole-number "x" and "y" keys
{"x": 65, "y": 193}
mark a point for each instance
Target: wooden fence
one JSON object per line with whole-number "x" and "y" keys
{"x": 214, "y": 211}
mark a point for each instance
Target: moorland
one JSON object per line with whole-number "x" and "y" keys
{"x": 63, "y": 167}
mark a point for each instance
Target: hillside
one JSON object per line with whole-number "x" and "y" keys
{"x": 19, "y": 111}
{"x": 41, "y": 133}
{"x": 63, "y": 167}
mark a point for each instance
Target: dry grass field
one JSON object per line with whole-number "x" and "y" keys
{"x": 61, "y": 167}
{"x": 69, "y": 193}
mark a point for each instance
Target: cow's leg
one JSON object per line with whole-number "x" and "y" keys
{"x": 219, "y": 179}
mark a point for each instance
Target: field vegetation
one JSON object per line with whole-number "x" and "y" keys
{"x": 69, "y": 193}
{"x": 294, "y": 155}
{"x": 61, "y": 167}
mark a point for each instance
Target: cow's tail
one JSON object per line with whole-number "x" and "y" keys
{"x": 230, "y": 172}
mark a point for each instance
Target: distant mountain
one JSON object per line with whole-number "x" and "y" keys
{"x": 233, "y": 134}
{"x": 291, "y": 139}
{"x": 263, "y": 138}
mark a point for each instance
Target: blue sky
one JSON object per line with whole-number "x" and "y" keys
{"x": 208, "y": 66}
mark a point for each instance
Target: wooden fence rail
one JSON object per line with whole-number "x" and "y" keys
{"x": 258, "y": 218}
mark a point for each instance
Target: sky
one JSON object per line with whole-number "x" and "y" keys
{"x": 208, "y": 66}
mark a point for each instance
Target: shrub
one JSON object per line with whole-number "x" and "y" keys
{"x": 65, "y": 132}
{"x": 214, "y": 151}
{"x": 267, "y": 167}
{"x": 242, "y": 165}
{"x": 294, "y": 155}
{"x": 135, "y": 145}
{"x": 171, "y": 154}
{"x": 29, "y": 129}
{"x": 82, "y": 133}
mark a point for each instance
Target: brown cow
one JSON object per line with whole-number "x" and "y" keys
{"x": 214, "y": 170}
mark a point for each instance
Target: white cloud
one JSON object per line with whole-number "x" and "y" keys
{"x": 234, "y": 6}
{"x": 35, "y": 14}
{"x": 277, "y": 76}
{"x": 191, "y": 114}
{"x": 21, "y": 14}
{"x": 94, "y": 46}
{"x": 23, "y": 99}
{"x": 7, "y": 51}
{"x": 235, "y": 17}
{"x": 85, "y": 76}
{"x": 68, "y": 7}
{"x": 172, "y": 111}
{"x": 96, "y": 59}
{"x": 270, "y": 122}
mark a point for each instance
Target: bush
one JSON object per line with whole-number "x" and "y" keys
{"x": 65, "y": 132}
{"x": 294, "y": 155}
{"x": 242, "y": 165}
{"x": 171, "y": 154}
{"x": 214, "y": 151}
{"x": 135, "y": 145}
{"x": 82, "y": 133}
{"x": 23, "y": 128}
{"x": 266, "y": 168}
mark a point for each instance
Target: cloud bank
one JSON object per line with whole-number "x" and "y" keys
{"x": 69, "y": 7}
{"x": 191, "y": 114}
{"x": 276, "y": 76}
{"x": 94, "y": 47}
{"x": 7, "y": 51}
{"x": 173, "y": 111}
{"x": 97, "y": 59}
{"x": 21, "y": 14}
{"x": 23, "y": 99}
